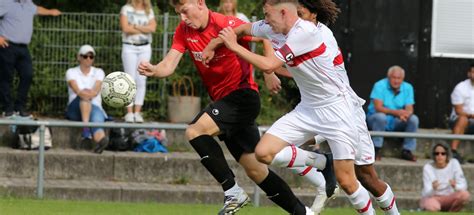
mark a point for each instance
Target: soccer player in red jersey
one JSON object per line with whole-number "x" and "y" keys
{"x": 231, "y": 116}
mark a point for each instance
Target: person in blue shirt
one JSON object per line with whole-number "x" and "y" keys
{"x": 16, "y": 29}
{"x": 391, "y": 109}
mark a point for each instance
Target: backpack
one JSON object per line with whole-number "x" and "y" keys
{"x": 119, "y": 139}
{"x": 28, "y": 137}
{"x": 22, "y": 137}
{"x": 151, "y": 145}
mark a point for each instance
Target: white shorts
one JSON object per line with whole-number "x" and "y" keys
{"x": 342, "y": 124}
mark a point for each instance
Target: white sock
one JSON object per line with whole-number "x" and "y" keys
{"x": 233, "y": 191}
{"x": 311, "y": 175}
{"x": 360, "y": 199}
{"x": 292, "y": 156}
{"x": 387, "y": 202}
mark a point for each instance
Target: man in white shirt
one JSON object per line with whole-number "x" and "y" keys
{"x": 85, "y": 104}
{"x": 462, "y": 115}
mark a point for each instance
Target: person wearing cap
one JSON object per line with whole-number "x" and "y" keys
{"x": 137, "y": 22}
{"x": 85, "y": 103}
{"x": 16, "y": 29}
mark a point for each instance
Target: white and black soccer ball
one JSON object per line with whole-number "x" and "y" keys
{"x": 118, "y": 89}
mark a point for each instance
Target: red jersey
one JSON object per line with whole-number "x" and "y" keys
{"x": 227, "y": 71}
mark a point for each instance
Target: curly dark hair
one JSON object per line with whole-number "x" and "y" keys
{"x": 326, "y": 10}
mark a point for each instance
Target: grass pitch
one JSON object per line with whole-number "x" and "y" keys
{"x": 10, "y": 206}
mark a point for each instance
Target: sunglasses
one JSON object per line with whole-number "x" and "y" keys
{"x": 439, "y": 153}
{"x": 88, "y": 56}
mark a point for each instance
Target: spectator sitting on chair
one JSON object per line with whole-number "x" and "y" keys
{"x": 16, "y": 28}
{"x": 85, "y": 104}
{"x": 462, "y": 116}
{"x": 444, "y": 184}
{"x": 391, "y": 109}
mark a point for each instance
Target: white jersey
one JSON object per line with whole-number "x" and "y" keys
{"x": 243, "y": 17}
{"x": 85, "y": 82}
{"x": 136, "y": 17}
{"x": 312, "y": 56}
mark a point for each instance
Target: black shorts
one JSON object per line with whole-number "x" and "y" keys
{"x": 235, "y": 116}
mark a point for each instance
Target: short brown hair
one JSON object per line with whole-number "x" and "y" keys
{"x": 275, "y": 2}
{"x": 176, "y": 2}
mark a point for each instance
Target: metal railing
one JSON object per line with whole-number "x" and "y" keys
{"x": 158, "y": 125}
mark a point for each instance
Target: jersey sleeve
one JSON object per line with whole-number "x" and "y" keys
{"x": 179, "y": 42}
{"x": 260, "y": 29}
{"x": 299, "y": 42}
{"x": 235, "y": 22}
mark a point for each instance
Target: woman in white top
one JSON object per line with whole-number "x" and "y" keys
{"x": 137, "y": 21}
{"x": 229, "y": 8}
{"x": 84, "y": 104}
{"x": 444, "y": 185}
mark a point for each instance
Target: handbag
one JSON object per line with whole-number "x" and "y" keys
{"x": 183, "y": 105}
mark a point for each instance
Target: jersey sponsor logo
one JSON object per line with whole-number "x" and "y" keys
{"x": 192, "y": 40}
{"x": 275, "y": 42}
{"x": 215, "y": 112}
{"x": 197, "y": 56}
{"x": 289, "y": 57}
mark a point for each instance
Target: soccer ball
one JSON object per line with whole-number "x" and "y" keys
{"x": 118, "y": 89}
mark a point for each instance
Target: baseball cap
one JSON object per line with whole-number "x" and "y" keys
{"x": 86, "y": 49}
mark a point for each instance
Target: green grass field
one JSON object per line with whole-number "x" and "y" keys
{"x": 57, "y": 207}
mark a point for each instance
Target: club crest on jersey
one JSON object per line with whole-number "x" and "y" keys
{"x": 197, "y": 56}
{"x": 231, "y": 22}
{"x": 289, "y": 57}
{"x": 215, "y": 112}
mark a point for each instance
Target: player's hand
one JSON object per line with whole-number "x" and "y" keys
{"x": 207, "y": 56}
{"x": 435, "y": 184}
{"x": 3, "y": 42}
{"x": 230, "y": 39}
{"x": 272, "y": 82}
{"x": 145, "y": 68}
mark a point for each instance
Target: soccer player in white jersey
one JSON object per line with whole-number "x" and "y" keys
{"x": 329, "y": 106}
{"x": 326, "y": 11}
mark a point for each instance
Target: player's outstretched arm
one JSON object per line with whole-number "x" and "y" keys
{"x": 163, "y": 69}
{"x": 208, "y": 52}
{"x": 265, "y": 63}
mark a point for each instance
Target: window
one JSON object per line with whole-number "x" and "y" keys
{"x": 453, "y": 29}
